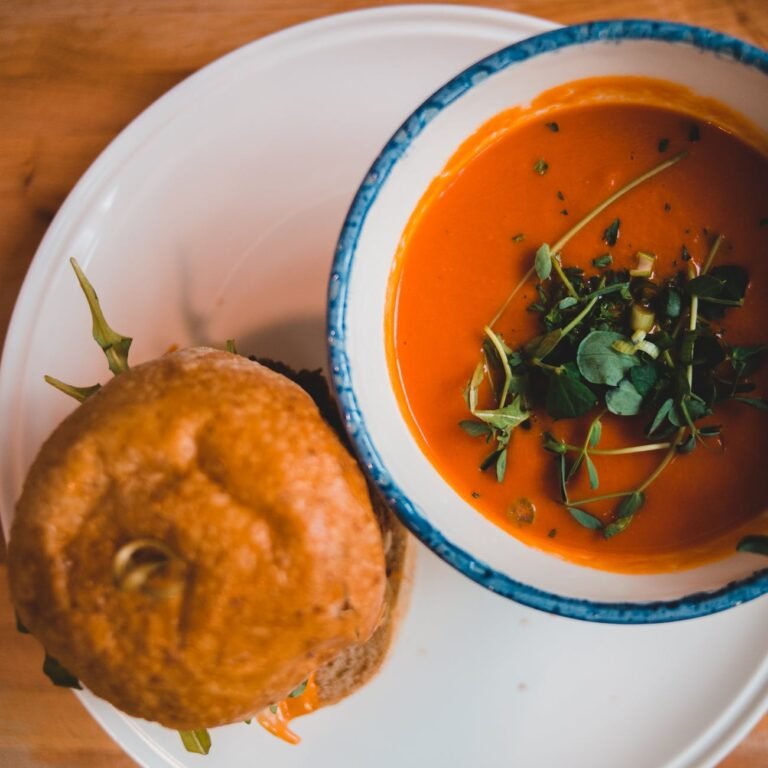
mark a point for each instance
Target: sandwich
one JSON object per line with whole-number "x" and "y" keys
{"x": 196, "y": 544}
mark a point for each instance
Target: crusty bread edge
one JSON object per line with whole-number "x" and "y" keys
{"x": 353, "y": 668}
{"x": 357, "y": 665}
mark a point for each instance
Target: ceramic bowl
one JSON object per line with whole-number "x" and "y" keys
{"x": 709, "y": 63}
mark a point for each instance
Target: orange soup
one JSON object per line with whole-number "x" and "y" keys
{"x": 680, "y": 245}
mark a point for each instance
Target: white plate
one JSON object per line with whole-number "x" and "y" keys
{"x": 214, "y": 215}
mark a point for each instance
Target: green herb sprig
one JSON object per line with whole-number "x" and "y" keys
{"x": 627, "y": 342}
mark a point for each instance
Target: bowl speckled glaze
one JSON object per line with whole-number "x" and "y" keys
{"x": 709, "y": 63}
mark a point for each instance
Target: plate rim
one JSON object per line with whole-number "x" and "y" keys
{"x": 112, "y": 721}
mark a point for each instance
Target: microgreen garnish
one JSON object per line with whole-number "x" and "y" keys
{"x": 694, "y": 134}
{"x": 756, "y": 544}
{"x": 611, "y": 233}
{"x": 585, "y": 519}
{"x": 78, "y": 393}
{"x": 554, "y": 127}
{"x": 541, "y": 166}
{"x": 198, "y": 741}
{"x": 576, "y": 228}
{"x": 114, "y": 346}
{"x": 636, "y": 345}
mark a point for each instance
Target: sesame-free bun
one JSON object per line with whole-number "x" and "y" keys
{"x": 274, "y": 557}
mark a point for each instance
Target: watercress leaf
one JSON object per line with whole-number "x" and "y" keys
{"x": 707, "y": 350}
{"x": 508, "y": 417}
{"x": 617, "y": 526}
{"x": 543, "y": 262}
{"x": 585, "y": 519}
{"x": 664, "y": 411}
{"x": 568, "y": 301}
{"x": 568, "y": 396}
{"x": 625, "y": 513}
{"x": 489, "y": 460}
{"x": 672, "y": 303}
{"x": 470, "y": 391}
{"x": 755, "y": 544}
{"x": 624, "y": 400}
{"x": 603, "y": 261}
{"x": 594, "y": 481}
{"x": 745, "y": 353}
{"x": 475, "y": 428}
{"x": 599, "y": 362}
{"x": 552, "y": 444}
{"x": 705, "y": 285}
{"x": 756, "y": 402}
{"x": 607, "y": 290}
{"x": 545, "y": 344}
{"x": 611, "y": 233}
{"x": 561, "y": 475}
{"x": 711, "y": 430}
{"x": 501, "y": 465}
{"x": 630, "y": 504}
{"x": 595, "y": 433}
{"x": 695, "y": 407}
{"x": 574, "y": 468}
{"x": 644, "y": 377}
{"x": 198, "y": 741}
{"x": 688, "y": 445}
{"x": 686, "y": 346}
{"x": 58, "y": 675}
{"x": 661, "y": 339}
{"x": 734, "y": 278}
{"x": 746, "y": 360}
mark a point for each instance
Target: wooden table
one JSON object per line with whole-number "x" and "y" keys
{"x": 72, "y": 75}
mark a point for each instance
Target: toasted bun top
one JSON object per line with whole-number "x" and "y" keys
{"x": 270, "y": 557}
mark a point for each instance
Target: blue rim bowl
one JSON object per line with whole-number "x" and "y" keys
{"x": 687, "y": 607}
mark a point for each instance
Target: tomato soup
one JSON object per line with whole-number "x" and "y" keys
{"x": 523, "y": 180}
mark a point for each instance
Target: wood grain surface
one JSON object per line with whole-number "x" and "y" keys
{"x": 73, "y": 73}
